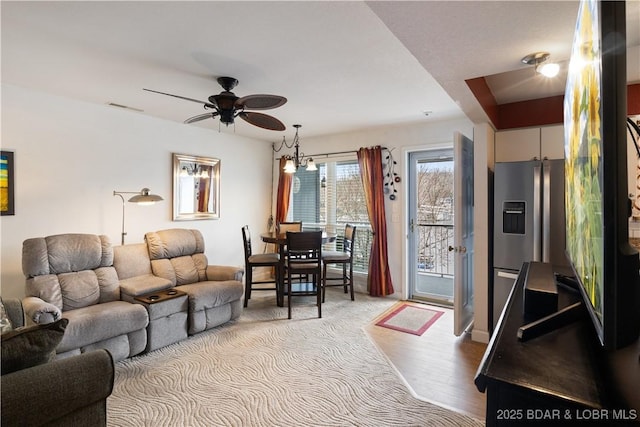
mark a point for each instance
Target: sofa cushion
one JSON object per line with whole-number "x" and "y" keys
{"x": 174, "y": 243}
{"x": 70, "y": 270}
{"x": 79, "y": 289}
{"x": 109, "y": 284}
{"x": 99, "y": 322}
{"x": 185, "y": 269}
{"x": 30, "y": 346}
{"x": 140, "y": 285}
{"x": 131, "y": 260}
{"x": 74, "y": 252}
{"x": 205, "y": 295}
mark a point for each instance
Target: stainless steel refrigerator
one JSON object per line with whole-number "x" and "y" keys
{"x": 529, "y": 221}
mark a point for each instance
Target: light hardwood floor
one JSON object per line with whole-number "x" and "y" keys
{"x": 438, "y": 367}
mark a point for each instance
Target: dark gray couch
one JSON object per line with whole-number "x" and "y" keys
{"x": 71, "y": 391}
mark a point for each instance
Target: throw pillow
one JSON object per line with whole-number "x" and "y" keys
{"x": 34, "y": 345}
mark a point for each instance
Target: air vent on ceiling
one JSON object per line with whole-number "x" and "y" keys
{"x": 113, "y": 104}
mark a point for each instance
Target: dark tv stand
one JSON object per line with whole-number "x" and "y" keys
{"x": 561, "y": 377}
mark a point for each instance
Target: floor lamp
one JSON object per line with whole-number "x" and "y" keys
{"x": 142, "y": 197}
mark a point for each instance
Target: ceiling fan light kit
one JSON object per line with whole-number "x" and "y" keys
{"x": 550, "y": 69}
{"x": 228, "y": 106}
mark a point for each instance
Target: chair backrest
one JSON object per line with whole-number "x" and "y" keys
{"x": 177, "y": 255}
{"x": 70, "y": 270}
{"x": 349, "y": 239}
{"x": 283, "y": 227}
{"x": 131, "y": 260}
{"x": 246, "y": 239}
{"x": 304, "y": 249}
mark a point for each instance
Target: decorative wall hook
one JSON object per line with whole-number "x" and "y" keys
{"x": 391, "y": 178}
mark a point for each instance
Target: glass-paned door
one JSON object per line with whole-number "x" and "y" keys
{"x": 431, "y": 267}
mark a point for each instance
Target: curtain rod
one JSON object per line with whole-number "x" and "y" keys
{"x": 335, "y": 153}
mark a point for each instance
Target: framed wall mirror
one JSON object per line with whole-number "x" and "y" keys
{"x": 196, "y": 187}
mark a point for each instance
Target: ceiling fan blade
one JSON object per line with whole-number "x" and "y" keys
{"x": 182, "y": 97}
{"x": 262, "y": 120}
{"x": 260, "y": 102}
{"x": 201, "y": 117}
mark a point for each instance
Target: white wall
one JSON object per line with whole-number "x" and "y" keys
{"x": 483, "y": 156}
{"x": 71, "y": 155}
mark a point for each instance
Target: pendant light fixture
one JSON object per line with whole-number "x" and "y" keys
{"x": 298, "y": 158}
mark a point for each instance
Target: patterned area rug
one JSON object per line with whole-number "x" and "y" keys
{"x": 410, "y": 318}
{"x": 265, "y": 370}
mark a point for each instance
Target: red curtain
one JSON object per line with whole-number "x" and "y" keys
{"x": 284, "y": 192}
{"x": 370, "y": 160}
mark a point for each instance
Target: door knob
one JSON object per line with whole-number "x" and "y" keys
{"x": 463, "y": 249}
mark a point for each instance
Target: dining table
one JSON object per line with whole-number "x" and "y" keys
{"x": 280, "y": 240}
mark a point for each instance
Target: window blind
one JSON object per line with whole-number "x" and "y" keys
{"x": 330, "y": 198}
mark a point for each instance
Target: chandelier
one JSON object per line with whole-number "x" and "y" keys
{"x": 194, "y": 170}
{"x": 298, "y": 159}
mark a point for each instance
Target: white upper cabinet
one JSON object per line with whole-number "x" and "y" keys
{"x": 530, "y": 144}
{"x": 552, "y": 142}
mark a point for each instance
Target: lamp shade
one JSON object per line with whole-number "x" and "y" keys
{"x": 289, "y": 166}
{"x": 311, "y": 165}
{"x": 145, "y": 197}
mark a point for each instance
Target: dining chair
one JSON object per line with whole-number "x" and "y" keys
{"x": 283, "y": 227}
{"x": 281, "y": 230}
{"x": 344, "y": 257}
{"x": 304, "y": 257}
{"x": 258, "y": 260}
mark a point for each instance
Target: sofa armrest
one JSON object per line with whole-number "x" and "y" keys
{"x": 224, "y": 272}
{"x": 75, "y": 388}
{"x": 40, "y": 311}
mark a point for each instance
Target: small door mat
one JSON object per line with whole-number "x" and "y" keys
{"x": 410, "y": 319}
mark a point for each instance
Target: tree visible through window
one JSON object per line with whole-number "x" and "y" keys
{"x": 435, "y": 216}
{"x": 330, "y": 198}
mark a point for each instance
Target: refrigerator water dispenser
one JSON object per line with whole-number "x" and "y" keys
{"x": 513, "y": 217}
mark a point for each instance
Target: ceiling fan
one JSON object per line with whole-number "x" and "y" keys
{"x": 228, "y": 106}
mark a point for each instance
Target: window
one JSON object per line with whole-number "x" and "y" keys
{"x": 331, "y": 197}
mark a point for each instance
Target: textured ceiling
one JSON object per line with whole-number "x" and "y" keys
{"x": 343, "y": 66}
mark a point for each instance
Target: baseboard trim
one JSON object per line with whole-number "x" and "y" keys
{"x": 480, "y": 336}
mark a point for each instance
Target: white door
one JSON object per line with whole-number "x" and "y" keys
{"x": 463, "y": 233}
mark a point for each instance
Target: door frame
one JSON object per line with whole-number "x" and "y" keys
{"x": 415, "y": 156}
{"x": 444, "y": 145}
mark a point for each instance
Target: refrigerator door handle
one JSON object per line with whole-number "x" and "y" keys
{"x": 546, "y": 212}
{"x": 506, "y": 275}
{"x": 536, "y": 214}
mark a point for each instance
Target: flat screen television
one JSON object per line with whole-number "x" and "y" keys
{"x": 596, "y": 195}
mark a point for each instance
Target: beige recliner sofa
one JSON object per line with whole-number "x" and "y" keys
{"x": 72, "y": 276}
{"x": 214, "y": 291}
{"x": 104, "y": 291}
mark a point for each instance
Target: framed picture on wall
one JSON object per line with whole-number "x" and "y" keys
{"x": 7, "y": 206}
